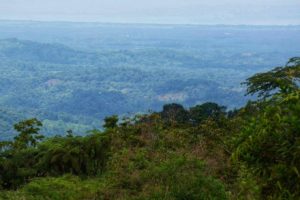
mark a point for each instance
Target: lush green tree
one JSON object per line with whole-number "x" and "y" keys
{"x": 269, "y": 145}
{"x": 28, "y": 133}
{"x": 174, "y": 113}
{"x": 207, "y": 110}
{"x": 279, "y": 80}
{"x": 111, "y": 122}
{"x": 269, "y": 142}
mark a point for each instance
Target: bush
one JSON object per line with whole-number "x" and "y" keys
{"x": 67, "y": 188}
{"x": 269, "y": 146}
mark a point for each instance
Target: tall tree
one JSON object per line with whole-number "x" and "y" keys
{"x": 279, "y": 80}
{"x": 28, "y": 133}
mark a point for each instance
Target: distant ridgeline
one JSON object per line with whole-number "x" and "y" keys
{"x": 201, "y": 153}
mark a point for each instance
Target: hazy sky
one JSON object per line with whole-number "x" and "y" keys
{"x": 155, "y": 11}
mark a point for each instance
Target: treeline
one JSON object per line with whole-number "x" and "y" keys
{"x": 204, "y": 152}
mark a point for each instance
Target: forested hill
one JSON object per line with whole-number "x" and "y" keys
{"x": 200, "y": 153}
{"x": 66, "y": 73}
{"x": 59, "y": 84}
{"x": 23, "y": 50}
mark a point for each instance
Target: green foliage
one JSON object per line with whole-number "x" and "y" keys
{"x": 111, "y": 122}
{"x": 174, "y": 113}
{"x": 66, "y": 187}
{"x": 279, "y": 80}
{"x": 54, "y": 156}
{"x": 269, "y": 142}
{"x": 269, "y": 145}
{"x": 199, "y": 153}
{"x": 182, "y": 178}
{"x": 76, "y": 155}
{"x": 28, "y": 133}
{"x": 205, "y": 111}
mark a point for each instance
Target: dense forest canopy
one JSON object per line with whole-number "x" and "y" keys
{"x": 204, "y": 152}
{"x": 72, "y": 75}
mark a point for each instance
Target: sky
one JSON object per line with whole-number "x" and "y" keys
{"x": 254, "y": 12}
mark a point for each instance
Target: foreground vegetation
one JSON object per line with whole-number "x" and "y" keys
{"x": 203, "y": 152}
